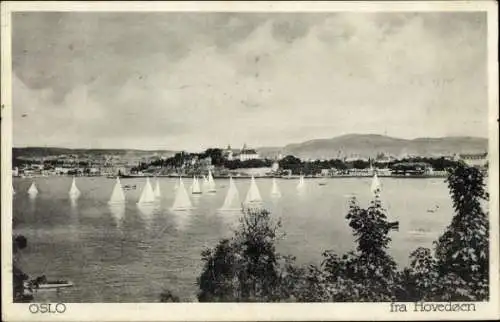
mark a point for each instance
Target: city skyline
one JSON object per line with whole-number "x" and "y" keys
{"x": 261, "y": 79}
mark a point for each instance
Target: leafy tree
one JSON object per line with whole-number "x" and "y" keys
{"x": 368, "y": 274}
{"x": 459, "y": 268}
{"x": 245, "y": 268}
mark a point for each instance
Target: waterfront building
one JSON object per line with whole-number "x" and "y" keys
{"x": 475, "y": 159}
{"x": 248, "y": 154}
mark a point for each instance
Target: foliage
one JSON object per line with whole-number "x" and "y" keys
{"x": 18, "y": 276}
{"x": 244, "y": 268}
{"x": 368, "y": 274}
{"x": 459, "y": 268}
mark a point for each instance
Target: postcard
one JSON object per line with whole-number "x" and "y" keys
{"x": 239, "y": 160}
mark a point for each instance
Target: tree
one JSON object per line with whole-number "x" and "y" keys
{"x": 369, "y": 274}
{"x": 463, "y": 249}
{"x": 246, "y": 267}
{"x": 18, "y": 276}
{"x": 459, "y": 269}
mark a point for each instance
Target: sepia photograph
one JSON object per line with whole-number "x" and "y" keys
{"x": 258, "y": 154}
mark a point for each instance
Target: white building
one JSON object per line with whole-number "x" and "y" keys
{"x": 475, "y": 160}
{"x": 248, "y": 154}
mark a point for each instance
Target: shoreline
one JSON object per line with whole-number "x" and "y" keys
{"x": 248, "y": 177}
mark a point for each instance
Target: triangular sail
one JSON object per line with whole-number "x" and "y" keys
{"x": 275, "y": 190}
{"x": 232, "y": 201}
{"x": 117, "y": 196}
{"x": 147, "y": 195}
{"x": 182, "y": 201}
{"x": 74, "y": 192}
{"x": 211, "y": 182}
{"x": 195, "y": 187}
{"x": 33, "y": 191}
{"x": 253, "y": 195}
{"x": 157, "y": 191}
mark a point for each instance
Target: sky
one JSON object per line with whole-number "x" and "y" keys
{"x": 196, "y": 80}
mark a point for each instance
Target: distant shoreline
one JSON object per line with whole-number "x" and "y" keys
{"x": 256, "y": 177}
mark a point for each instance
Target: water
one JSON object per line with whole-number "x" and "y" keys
{"x": 131, "y": 254}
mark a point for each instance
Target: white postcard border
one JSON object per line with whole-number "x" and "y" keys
{"x": 233, "y": 311}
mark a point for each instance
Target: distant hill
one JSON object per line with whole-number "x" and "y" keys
{"x": 361, "y": 145}
{"x": 39, "y": 152}
{"x": 369, "y": 145}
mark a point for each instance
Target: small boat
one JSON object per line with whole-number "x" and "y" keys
{"x": 74, "y": 192}
{"x": 232, "y": 200}
{"x": 117, "y": 196}
{"x": 41, "y": 283}
{"x": 33, "y": 191}
{"x": 211, "y": 182}
{"x": 182, "y": 201}
{"x": 147, "y": 195}
{"x": 195, "y": 187}
{"x": 129, "y": 187}
{"x": 253, "y": 198}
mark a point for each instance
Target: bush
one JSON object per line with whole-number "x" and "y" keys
{"x": 247, "y": 267}
{"x": 459, "y": 269}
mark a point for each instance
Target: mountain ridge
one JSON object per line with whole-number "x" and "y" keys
{"x": 361, "y": 145}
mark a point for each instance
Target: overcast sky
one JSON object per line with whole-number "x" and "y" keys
{"x": 195, "y": 80}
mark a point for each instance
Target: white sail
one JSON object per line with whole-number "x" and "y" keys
{"x": 253, "y": 195}
{"x": 211, "y": 182}
{"x": 74, "y": 192}
{"x": 232, "y": 201}
{"x": 275, "y": 190}
{"x": 376, "y": 186}
{"x": 117, "y": 196}
{"x": 195, "y": 187}
{"x": 33, "y": 191}
{"x": 157, "y": 191}
{"x": 182, "y": 201}
{"x": 147, "y": 195}
{"x": 301, "y": 184}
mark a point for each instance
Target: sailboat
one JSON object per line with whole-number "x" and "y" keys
{"x": 182, "y": 201}
{"x": 253, "y": 197}
{"x": 232, "y": 201}
{"x": 211, "y": 182}
{"x": 74, "y": 192}
{"x": 157, "y": 191}
{"x": 147, "y": 195}
{"x": 275, "y": 190}
{"x": 117, "y": 196}
{"x": 195, "y": 187}
{"x": 301, "y": 184}
{"x": 33, "y": 191}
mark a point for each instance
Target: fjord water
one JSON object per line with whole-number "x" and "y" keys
{"x": 131, "y": 253}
